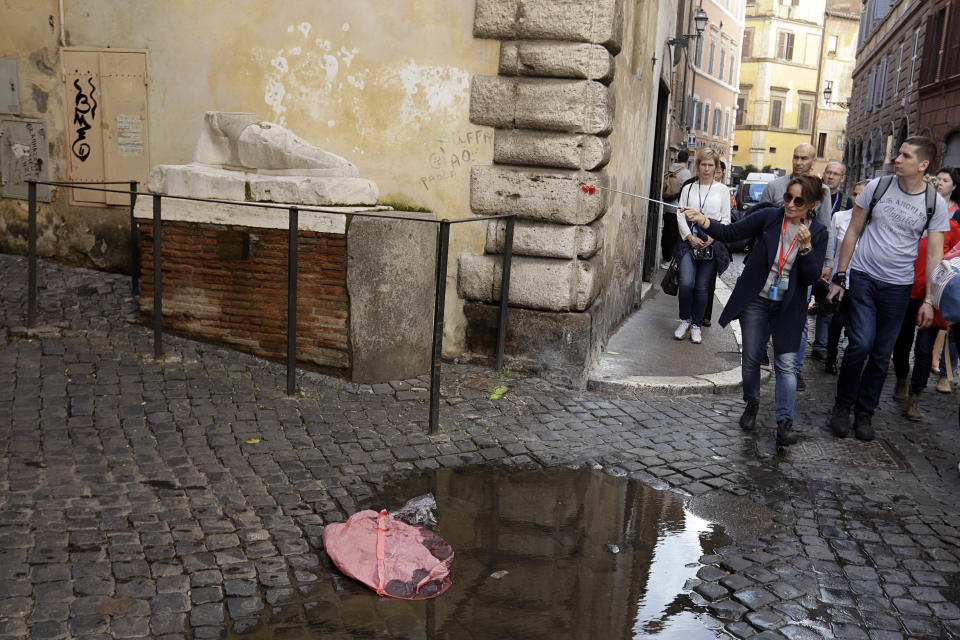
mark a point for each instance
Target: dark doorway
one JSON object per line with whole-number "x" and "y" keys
{"x": 651, "y": 241}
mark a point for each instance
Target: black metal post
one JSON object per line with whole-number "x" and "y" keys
{"x": 32, "y": 254}
{"x": 292, "y": 303}
{"x": 134, "y": 242}
{"x": 438, "y": 308}
{"x": 505, "y": 289}
{"x": 157, "y": 293}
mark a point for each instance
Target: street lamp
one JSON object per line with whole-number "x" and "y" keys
{"x": 828, "y": 93}
{"x": 700, "y": 23}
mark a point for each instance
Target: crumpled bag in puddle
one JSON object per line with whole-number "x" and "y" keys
{"x": 390, "y": 556}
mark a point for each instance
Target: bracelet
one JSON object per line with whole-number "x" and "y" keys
{"x": 928, "y": 301}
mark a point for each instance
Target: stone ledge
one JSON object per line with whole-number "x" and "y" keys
{"x": 546, "y": 240}
{"x": 595, "y": 21}
{"x": 548, "y": 104}
{"x": 548, "y": 195}
{"x": 535, "y": 283}
{"x": 547, "y": 149}
{"x": 556, "y": 60}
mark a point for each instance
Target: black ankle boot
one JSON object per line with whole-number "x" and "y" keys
{"x": 785, "y": 433}
{"x": 862, "y": 427}
{"x": 840, "y": 421}
{"x": 830, "y": 366}
{"x": 748, "y": 421}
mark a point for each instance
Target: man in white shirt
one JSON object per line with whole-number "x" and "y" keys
{"x": 882, "y": 273}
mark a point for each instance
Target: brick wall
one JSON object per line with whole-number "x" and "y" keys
{"x": 229, "y": 285}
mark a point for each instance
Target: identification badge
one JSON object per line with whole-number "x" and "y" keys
{"x": 774, "y": 293}
{"x": 782, "y": 284}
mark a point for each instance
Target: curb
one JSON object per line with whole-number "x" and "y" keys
{"x": 728, "y": 381}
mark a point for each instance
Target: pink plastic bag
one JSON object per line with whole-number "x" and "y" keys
{"x": 390, "y": 556}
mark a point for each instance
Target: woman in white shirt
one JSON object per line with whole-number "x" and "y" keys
{"x": 696, "y": 256}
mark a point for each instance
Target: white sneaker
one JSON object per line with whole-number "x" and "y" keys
{"x": 695, "y": 336}
{"x": 681, "y": 331}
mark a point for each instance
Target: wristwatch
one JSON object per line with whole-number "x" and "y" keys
{"x": 928, "y": 301}
{"x": 804, "y": 252}
{"x": 840, "y": 279}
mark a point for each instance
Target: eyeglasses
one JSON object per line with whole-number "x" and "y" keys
{"x": 794, "y": 200}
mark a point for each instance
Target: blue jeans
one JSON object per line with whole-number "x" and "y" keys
{"x": 694, "y": 287}
{"x": 951, "y": 343}
{"x": 873, "y": 324}
{"x": 755, "y": 323}
{"x": 822, "y": 332}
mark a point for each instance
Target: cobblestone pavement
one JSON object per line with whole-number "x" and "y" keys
{"x": 170, "y": 500}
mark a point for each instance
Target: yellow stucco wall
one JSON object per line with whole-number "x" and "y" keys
{"x": 386, "y": 85}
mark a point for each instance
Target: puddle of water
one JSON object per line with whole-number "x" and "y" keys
{"x": 539, "y": 554}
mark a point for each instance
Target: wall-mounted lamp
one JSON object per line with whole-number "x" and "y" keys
{"x": 828, "y": 93}
{"x": 700, "y": 22}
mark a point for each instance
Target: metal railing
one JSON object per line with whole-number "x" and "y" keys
{"x": 443, "y": 249}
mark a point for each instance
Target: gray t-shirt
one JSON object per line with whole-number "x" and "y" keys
{"x": 888, "y": 245}
{"x": 789, "y": 254}
{"x": 774, "y": 191}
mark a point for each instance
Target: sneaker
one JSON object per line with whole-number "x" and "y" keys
{"x": 801, "y": 383}
{"x": 695, "y": 336}
{"x": 785, "y": 433}
{"x": 943, "y": 385}
{"x": 816, "y": 354}
{"x": 840, "y": 421}
{"x": 748, "y": 421}
{"x": 900, "y": 391}
{"x": 681, "y": 331}
{"x": 862, "y": 427}
{"x": 706, "y": 322}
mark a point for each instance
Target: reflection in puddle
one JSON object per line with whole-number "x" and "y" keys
{"x": 539, "y": 554}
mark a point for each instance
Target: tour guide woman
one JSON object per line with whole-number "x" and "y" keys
{"x": 771, "y": 294}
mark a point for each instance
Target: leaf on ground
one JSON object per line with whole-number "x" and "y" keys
{"x": 498, "y": 392}
{"x": 252, "y": 440}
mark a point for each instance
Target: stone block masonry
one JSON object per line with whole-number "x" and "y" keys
{"x": 229, "y": 285}
{"x": 553, "y": 111}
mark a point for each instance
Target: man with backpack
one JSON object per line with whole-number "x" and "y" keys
{"x": 889, "y": 217}
{"x": 673, "y": 180}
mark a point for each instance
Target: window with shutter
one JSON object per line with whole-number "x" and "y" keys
{"x": 713, "y": 53}
{"x": 806, "y": 115}
{"x": 952, "y": 42}
{"x": 785, "y": 45}
{"x": 747, "y": 49}
{"x": 776, "y": 113}
{"x": 723, "y": 60}
{"x": 106, "y": 114}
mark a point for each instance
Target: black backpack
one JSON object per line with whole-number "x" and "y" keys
{"x": 881, "y": 189}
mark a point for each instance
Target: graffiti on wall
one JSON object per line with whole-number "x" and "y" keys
{"x": 453, "y": 153}
{"x": 84, "y": 106}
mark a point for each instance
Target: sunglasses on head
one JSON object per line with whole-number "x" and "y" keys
{"x": 794, "y": 200}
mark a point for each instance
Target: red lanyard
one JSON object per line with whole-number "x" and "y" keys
{"x": 783, "y": 260}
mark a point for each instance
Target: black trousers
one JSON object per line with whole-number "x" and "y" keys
{"x": 670, "y": 234}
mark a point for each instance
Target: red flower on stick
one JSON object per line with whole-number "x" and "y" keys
{"x": 588, "y": 189}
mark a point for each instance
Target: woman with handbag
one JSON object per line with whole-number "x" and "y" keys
{"x": 771, "y": 294}
{"x": 698, "y": 256}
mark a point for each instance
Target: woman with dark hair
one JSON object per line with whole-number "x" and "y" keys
{"x": 771, "y": 293}
{"x": 948, "y": 186}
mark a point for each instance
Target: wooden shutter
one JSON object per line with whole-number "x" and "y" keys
{"x": 953, "y": 42}
{"x": 747, "y": 49}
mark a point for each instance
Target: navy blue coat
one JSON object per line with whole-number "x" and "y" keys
{"x": 766, "y": 225}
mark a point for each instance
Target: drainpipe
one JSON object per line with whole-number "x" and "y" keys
{"x": 63, "y": 30}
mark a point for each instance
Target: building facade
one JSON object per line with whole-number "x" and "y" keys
{"x": 885, "y": 97}
{"x": 840, "y": 30}
{"x": 706, "y": 84}
{"x": 939, "y": 99}
{"x": 779, "y": 80}
{"x": 486, "y": 111}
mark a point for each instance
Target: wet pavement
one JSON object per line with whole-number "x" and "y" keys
{"x": 186, "y": 498}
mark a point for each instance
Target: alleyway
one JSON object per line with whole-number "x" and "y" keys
{"x": 185, "y": 499}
